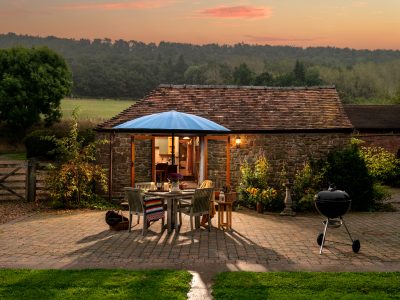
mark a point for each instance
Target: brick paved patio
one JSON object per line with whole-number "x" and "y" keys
{"x": 82, "y": 239}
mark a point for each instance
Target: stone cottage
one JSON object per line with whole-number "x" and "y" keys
{"x": 377, "y": 125}
{"x": 289, "y": 125}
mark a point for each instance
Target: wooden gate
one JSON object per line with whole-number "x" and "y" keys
{"x": 21, "y": 180}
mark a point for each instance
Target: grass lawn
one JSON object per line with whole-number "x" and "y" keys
{"x": 94, "y": 109}
{"x": 93, "y": 284}
{"x": 14, "y": 156}
{"x": 91, "y": 113}
{"x": 306, "y": 285}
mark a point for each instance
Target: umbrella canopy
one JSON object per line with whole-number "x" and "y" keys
{"x": 173, "y": 122}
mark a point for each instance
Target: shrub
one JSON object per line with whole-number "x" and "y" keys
{"x": 71, "y": 183}
{"x": 307, "y": 182}
{"x": 254, "y": 185}
{"x": 380, "y": 194}
{"x": 382, "y": 165}
{"x": 347, "y": 170}
{"x": 37, "y": 146}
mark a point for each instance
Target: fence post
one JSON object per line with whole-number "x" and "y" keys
{"x": 31, "y": 180}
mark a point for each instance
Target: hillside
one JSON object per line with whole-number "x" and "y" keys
{"x": 130, "y": 69}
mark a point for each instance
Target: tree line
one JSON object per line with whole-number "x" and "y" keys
{"x": 129, "y": 69}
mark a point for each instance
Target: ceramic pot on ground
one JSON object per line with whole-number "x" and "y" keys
{"x": 259, "y": 208}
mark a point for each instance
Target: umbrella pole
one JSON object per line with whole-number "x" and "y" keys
{"x": 173, "y": 149}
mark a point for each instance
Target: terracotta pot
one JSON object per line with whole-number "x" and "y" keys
{"x": 260, "y": 207}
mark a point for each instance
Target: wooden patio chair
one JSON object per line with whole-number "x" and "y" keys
{"x": 199, "y": 206}
{"x": 152, "y": 209}
{"x": 146, "y": 186}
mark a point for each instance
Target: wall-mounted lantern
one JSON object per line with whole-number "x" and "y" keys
{"x": 238, "y": 142}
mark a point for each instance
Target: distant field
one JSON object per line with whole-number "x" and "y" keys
{"x": 376, "y": 101}
{"x": 94, "y": 109}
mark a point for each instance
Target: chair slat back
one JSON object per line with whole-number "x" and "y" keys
{"x": 206, "y": 184}
{"x": 201, "y": 200}
{"x": 146, "y": 185}
{"x": 135, "y": 199}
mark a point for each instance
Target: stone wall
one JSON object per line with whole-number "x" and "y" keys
{"x": 121, "y": 160}
{"x": 217, "y": 161}
{"x": 291, "y": 150}
{"x": 143, "y": 160}
{"x": 389, "y": 141}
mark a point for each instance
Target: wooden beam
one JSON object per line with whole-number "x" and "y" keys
{"x": 228, "y": 161}
{"x": 132, "y": 161}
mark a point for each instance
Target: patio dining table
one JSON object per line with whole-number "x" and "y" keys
{"x": 172, "y": 201}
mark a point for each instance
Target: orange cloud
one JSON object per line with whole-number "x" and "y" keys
{"x": 359, "y": 4}
{"x": 240, "y": 12}
{"x": 141, "y": 4}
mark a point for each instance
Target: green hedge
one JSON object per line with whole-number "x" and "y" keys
{"x": 37, "y": 146}
{"x": 344, "y": 168}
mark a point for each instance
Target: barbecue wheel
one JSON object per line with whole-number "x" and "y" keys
{"x": 319, "y": 238}
{"x": 356, "y": 246}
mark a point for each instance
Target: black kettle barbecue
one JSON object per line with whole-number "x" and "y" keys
{"x": 333, "y": 204}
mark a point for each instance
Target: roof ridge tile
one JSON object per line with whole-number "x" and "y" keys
{"x": 244, "y": 87}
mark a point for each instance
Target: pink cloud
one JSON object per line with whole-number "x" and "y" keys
{"x": 239, "y": 12}
{"x": 140, "y": 4}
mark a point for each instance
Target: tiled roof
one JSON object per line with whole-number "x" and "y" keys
{"x": 246, "y": 108}
{"x": 374, "y": 117}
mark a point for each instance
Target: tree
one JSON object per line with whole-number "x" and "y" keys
{"x": 32, "y": 84}
{"x": 264, "y": 78}
{"x": 299, "y": 73}
{"x": 242, "y": 75}
{"x": 195, "y": 74}
{"x": 179, "y": 70}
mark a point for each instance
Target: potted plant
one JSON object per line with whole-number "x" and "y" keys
{"x": 174, "y": 178}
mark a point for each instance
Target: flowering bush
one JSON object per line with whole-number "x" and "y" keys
{"x": 174, "y": 177}
{"x": 307, "y": 182}
{"x": 260, "y": 195}
{"x": 382, "y": 165}
{"x": 71, "y": 182}
{"x": 254, "y": 186}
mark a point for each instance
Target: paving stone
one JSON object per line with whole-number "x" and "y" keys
{"x": 268, "y": 242}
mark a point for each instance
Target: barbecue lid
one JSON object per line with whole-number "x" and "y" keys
{"x": 332, "y": 194}
{"x": 337, "y": 195}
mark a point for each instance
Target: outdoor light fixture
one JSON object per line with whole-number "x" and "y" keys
{"x": 186, "y": 138}
{"x": 238, "y": 142}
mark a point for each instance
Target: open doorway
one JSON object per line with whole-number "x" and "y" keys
{"x": 187, "y": 157}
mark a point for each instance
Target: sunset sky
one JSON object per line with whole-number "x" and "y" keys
{"x": 371, "y": 24}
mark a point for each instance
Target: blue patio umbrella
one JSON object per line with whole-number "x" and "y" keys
{"x": 172, "y": 122}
